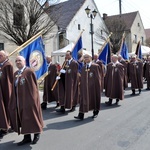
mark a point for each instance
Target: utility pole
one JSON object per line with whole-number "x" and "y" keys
{"x": 120, "y": 8}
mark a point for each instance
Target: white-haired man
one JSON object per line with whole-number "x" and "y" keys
{"x": 114, "y": 81}
{"x": 25, "y": 109}
{"x": 90, "y": 87}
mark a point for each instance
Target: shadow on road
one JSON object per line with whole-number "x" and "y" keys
{"x": 67, "y": 124}
{"x": 51, "y": 113}
{"x": 104, "y": 106}
{"x": 13, "y": 146}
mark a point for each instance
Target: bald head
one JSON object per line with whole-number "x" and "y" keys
{"x": 95, "y": 56}
{"x": 20, "y": 62}
{"x": 114, "y": 58}
{"x": 3, "y": 56}
{"x": 48, "y": 59}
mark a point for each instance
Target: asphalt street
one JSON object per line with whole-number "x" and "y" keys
{"x": 122, "y": 127}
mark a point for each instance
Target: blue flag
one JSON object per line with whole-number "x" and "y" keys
{"x": 124, "y": 51}
{"x": 138, "y": 51}
{"x": 105, "y": 55}
{"x": 35, "y": 57}
{"x": 76, "y": 48}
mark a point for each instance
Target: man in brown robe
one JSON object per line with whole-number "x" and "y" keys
{"x": 147, "y": 72}
{"x": 90, "y": 87}
{"x": 102, "y": 70}
{"x": 136, "y": 74}
{"x": 114, "y": 81}
{"x": 6, "y": 81}
{"x": 125, "y": 64}
{"x": 25, "y": 109}
{"x": 48, "y": 94}
{"x": 71, "y": 84}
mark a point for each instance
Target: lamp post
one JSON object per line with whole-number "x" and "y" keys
{"x": 91, "y": 15}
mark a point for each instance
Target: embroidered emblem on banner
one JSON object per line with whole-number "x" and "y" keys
{"x": 36, "y": 60}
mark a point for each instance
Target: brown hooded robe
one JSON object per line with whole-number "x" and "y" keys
{"x": 90, "y": 87}
{"x": 25, "y": 109}
{"x": 6, "y": 81}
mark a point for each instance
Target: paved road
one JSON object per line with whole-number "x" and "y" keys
{"x": 123, "y": 127}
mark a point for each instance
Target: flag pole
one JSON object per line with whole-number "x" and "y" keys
{"x": 123, "y": 36}
{"x": 54, "y": 85}
{"x": 78, "y": 39}
{"x": 105, "y": 42}
{"x": 26, "y": 43}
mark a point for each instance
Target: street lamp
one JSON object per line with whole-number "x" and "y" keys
{"x": 91, "y": 15}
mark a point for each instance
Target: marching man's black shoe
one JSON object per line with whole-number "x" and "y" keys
{"x": 109, "y": 103}
{"x": 36, "y": 138}
{"x": 61, "y": 110}
{"x": 95, "y": 113}
{"x": 133, "y": 92}
{"x": 80, "y": 116}
{"x": 26, "y": 140}
{"x": 2, "y": 133}
{"x": 44, "y": 105}
{"x": 57, "y": 105}
{"x": 117, "y": 101}
{"x": 73, "y": 108}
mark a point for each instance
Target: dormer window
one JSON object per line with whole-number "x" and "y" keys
{"x": 138, "y": 24}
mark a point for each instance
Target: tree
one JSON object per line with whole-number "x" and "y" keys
{"x": 117, "y": 27}
{"x": 21, "y": 20}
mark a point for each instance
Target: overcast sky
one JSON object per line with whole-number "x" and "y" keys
{"x": 111, "y": 7}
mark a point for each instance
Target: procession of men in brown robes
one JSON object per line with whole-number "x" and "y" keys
{"x": 6, "y": 81}
{"x": 25, "y": 115}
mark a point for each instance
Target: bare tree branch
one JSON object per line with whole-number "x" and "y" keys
{"x": 21, "y": 20}
{"x": 117, "y": 27}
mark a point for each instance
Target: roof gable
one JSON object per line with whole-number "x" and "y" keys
{"x": 66, "y": 11}
{"x": 147, "y": 32}
{"x": 128, "y": 18}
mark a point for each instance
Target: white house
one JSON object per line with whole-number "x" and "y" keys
{"x": 73, "y": 19}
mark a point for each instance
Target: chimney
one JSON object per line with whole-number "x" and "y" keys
{"x": 104, "y": 16}
{"x": 46, "y": 5}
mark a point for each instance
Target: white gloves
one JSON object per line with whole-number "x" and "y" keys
{"x": 62, "y": 71}
{"x": 57, "y": 78}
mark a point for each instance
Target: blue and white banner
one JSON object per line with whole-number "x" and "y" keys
{"x": 34, "y": 54}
